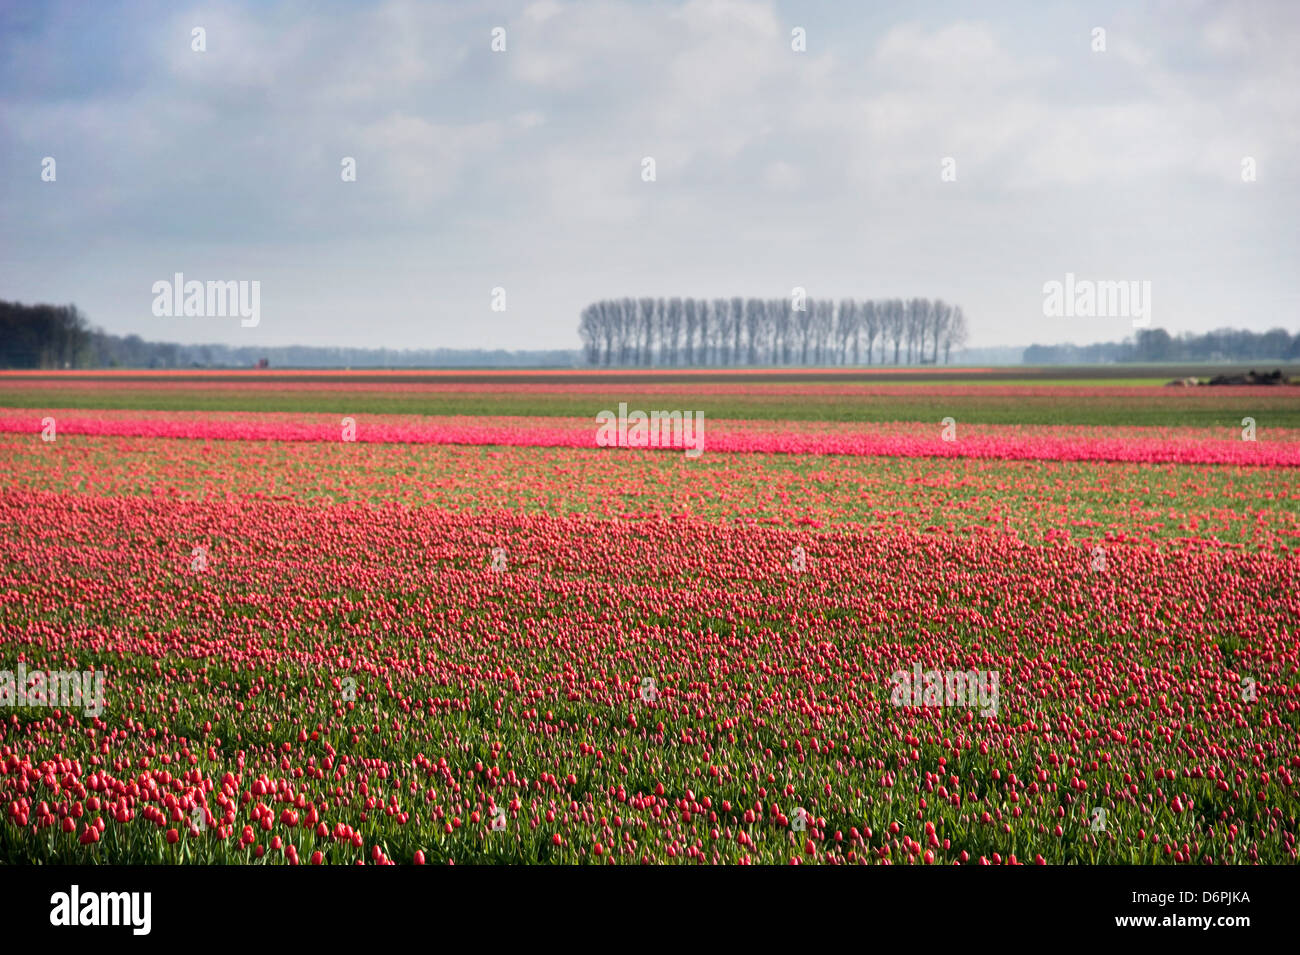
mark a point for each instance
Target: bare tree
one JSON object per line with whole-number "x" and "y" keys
{"x": 626, "y": 325}
{"x": 803, "y": 324}
{"x": 870, "y": 324}
{"x": 721, "y": 330}
{"x": 737, "y": 327}
{"x": 692, "y": 323}
{"x": 914, "y": 326}
{"x": 893, "y": 324}
{"x": 753, "y": 330}
{"x": 767, "y": 332}
{"x": 589, "y": 332}
{"x": 955, "y": 334}
{"x": 823, "y": 321}
{"x": 706, "y": 333}
{"x": 672, "y": 329}
{"x": 645, "y": 331}
{"x": 782, "y": 326}
{"x": 846, "y": 328}
{"x": 940, "y": 317}
{"x": 606, "y": 331}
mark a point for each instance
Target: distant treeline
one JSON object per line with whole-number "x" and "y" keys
{"x": 1152, "y": 345}
{"x": 627, "y": 332}
{"x": 765, "y": 332}
{"x": 58, "y": 336}
{"x": 42, "y": 336}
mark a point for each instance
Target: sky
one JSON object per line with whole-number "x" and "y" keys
{"x": 523, "y": 169}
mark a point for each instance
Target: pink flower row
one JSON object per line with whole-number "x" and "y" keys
{"x": 1274, "y": 447}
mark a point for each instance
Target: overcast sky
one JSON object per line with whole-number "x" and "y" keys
{"x": 523, "y": 169}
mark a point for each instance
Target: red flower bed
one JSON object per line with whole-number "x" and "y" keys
{"x": 358, "y": 681}
{"x": 1276, "y": 448}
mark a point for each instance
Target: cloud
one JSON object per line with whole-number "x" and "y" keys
{"x": 775, "y": 168}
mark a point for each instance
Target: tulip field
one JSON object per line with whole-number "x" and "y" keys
{"x": 458, "y": 631}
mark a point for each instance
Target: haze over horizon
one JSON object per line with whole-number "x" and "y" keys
{"x": 522, "y": 169}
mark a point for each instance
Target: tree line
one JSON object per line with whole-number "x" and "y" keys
{"x": 672, "y": 332}
{"x": 1152, "y": 345}
{"x": 58, "y": 336}
{"x": 678, "y": 332}
{"x": 42, "y": 336}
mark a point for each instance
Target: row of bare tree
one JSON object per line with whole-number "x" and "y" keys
{"x": 768, "y": 332}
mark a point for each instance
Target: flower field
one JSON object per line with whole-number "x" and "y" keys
{"x": 481, "y": 638}
{"x": 898, "y": 439}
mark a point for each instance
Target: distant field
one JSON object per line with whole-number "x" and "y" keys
{"x": 1029, "y": 374}
{"x": 1031, "y": 396}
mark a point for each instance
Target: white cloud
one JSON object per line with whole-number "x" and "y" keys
{"x": 822, "y": 165}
